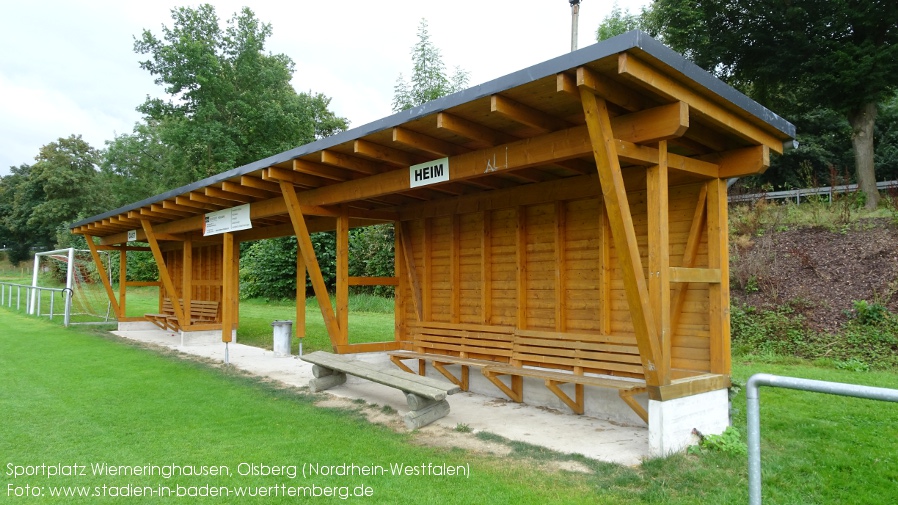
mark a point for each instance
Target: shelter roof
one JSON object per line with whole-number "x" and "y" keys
{"x": 535, "y": 114}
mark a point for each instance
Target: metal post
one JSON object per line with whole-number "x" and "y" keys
{"x": 575, "y": 15}
{"x": 753, "y": 412}
{"x": 34, "y": 284}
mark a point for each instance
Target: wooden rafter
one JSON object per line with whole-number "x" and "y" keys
{"x": 642, "y": 74}
{"x": 473, "y": 131}
{"x": 385, "y": 154}
{"x": 212, "y": 191}
{"x": 526, "y": 115}
{"x": 203, "y": 198}
{"x": 623, "y": 234}
{"x": 240, "y": 189}
{"x": 611, "y": 91}
{"x": 426, "y": 143}
{"x": 352, "y": 163}
{"x": 257, "y": 182}
{"x": 741, "y": 162}
{"x": 320, "y": 170}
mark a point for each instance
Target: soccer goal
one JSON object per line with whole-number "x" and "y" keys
{"x": 83, "y": 300}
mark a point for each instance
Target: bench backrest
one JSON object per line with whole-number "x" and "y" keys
{"x": 203, "y": 310}
{"x": 200, "y": 310}
{"x": 578, "y": 352}
{"x": 473, "y": 341}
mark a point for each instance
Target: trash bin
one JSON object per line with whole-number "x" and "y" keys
{"x": 281, "y": 340}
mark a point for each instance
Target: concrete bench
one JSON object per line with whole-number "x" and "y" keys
{"x": 564, "y": 358}
{"x": 426, "y": 397}
{"x": 467, "y": 345}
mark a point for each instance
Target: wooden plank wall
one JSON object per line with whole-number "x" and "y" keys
{"x": 206, "y": 268}
{"x": 564, "y": 284}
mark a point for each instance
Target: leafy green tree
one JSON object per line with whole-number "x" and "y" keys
{"x": 230, "y": 102}
{"x": 841, "y": 55}
{"x": 429, "y": 80}
{"x": 40, "y": 199}
{"x": 618, "y": 22}
{"x": 139, "y": 165}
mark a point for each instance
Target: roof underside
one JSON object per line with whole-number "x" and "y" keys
{"x": 632, "y": 72}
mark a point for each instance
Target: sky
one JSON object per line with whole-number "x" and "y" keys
{"x": 69, "y": 67}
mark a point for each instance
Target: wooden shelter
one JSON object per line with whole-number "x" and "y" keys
{"x": 570, "y": 217}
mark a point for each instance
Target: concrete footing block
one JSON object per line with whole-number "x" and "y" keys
{"x": 671, "y": 423}
{"x": 327, "y": 381}
{"x": 419, "y": 418}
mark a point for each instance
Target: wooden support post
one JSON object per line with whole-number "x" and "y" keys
{"x": 659, "y": 256}
{"x": 719, "y": 294}
{"x": 107, "y": 284}
{"x": 343, "y": 279}
{"x": 228, "y": 290}
{"x": 187, "y": 275}
{"x": 123, "y": 281}
{"x": 308, "y": 254}
{"x": 163, "y": 272}
{"x": 486, "y": 268}
{"x": 300, "y": 326}
{"x": 618, "y": 209}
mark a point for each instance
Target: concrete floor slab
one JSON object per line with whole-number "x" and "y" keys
{"x": 559, "y": 431}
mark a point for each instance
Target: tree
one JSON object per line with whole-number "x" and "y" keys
{"x": 40, "y": 199}
{"x": 429, "y": 80}
{"x": 230, "y": 103}
{"x": 841, "y": 55}
{"x": 618, "y": 22}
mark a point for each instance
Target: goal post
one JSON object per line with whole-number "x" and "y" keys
{"x": 83, "y": 294}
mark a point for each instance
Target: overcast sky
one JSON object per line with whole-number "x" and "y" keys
{"x": 68, "y": 67}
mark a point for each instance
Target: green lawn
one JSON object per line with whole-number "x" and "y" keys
{"x": 78, "y": 396}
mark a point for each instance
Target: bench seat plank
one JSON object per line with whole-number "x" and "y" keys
{"x": 426, "y": 387}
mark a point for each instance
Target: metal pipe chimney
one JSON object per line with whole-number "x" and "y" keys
{"x": 575, "y": 15}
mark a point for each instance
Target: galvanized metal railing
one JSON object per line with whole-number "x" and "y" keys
{"x": 754, "y": 413}
{"x": 32, "y": 297}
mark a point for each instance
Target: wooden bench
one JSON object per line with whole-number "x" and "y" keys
{"x": 426, "y": 397}
{"x": 201, "y": 311}
{"x": 468, "y": 345}
{"x": 565, "y": 358}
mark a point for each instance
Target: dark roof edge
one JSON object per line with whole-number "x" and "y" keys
{"x": 618, "y": 44}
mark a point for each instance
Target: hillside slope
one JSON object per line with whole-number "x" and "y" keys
{"x": 817, "y": 271}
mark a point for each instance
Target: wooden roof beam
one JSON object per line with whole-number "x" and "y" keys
{"x": 159, "y": 209}
{"x": 204, "y": 198}
{"x": 741, "y": 162}
{"x": 526, "y": 115}
{"x": 240, "y": 189}
{"x": 642, "y": 74}
{"x": 611, "y": 91}
{"x": 221, "y": 194}
{"x": 319, "y": 170}
{"x": 426, "y": 143}
{"x": 169, "y": 205}
{"x": 385, "y": 154}
{"x": 471, "y": 130}
{"x": 353, "y": 163}
{"x": 258, "y": 183}
{"x": 185, "y": 201}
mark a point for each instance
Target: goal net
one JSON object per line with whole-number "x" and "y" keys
{"x": 69, "y": 283}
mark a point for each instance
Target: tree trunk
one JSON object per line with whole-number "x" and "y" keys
{"x": 862, "y": 120}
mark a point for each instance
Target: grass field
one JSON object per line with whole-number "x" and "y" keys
{"x": 78, "y": 396}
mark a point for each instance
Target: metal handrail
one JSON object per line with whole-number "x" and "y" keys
{"x": 33, "y": 299}
{"x": 754, "y": 413}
